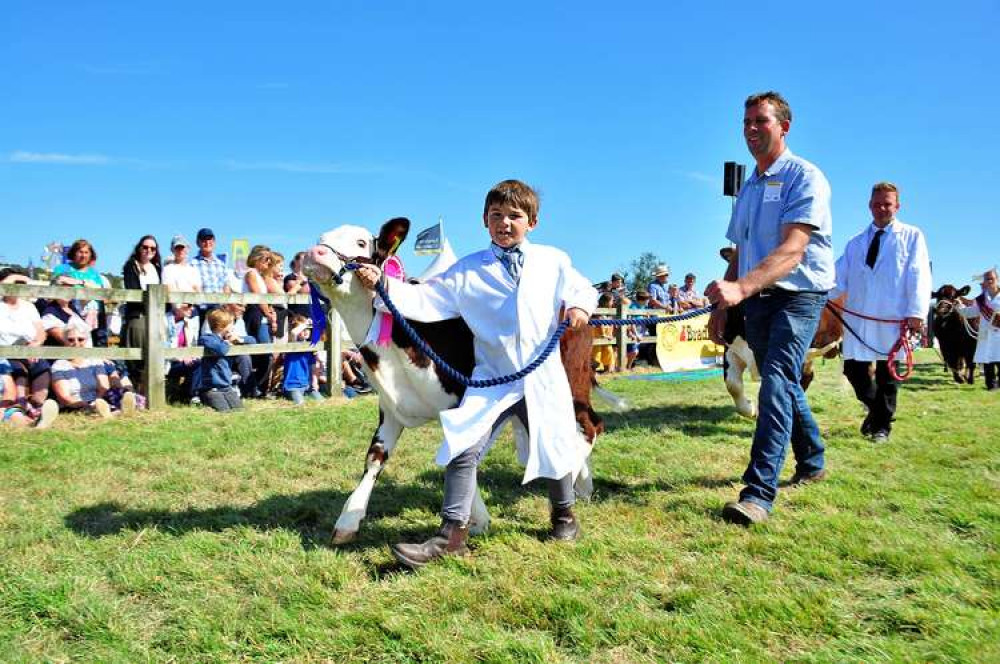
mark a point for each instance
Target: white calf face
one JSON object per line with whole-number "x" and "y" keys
{"x": 322, "y": 262}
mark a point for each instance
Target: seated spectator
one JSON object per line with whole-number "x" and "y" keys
{"x": 20, "y": 325}
{"x": 80, "y": 271}
{"x": 141, "y": 270}
{"x": 658, "y": 288}
{"x": 178, "y": 273}
{"x": 182, "y": 331}
{"x": 239, "y": 364}
{"x": 638, "y": 350}
{"x": 297, "y": 283}
{"x": 604, "y": 355}
{"x": 299, "y": 380}
{"x": 673, "y": 301}
{"x": 22, "y": 414}
{"x": 56, "y": 316}
{"x": 82, "y": 384}
{"x": 351, "y": 372}
{"x": 689, "y": 296}
{"x": 215, "y": 387}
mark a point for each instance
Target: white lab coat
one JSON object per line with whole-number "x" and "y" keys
{"x": 511, "y": 324}
{"x": 988, "y": 341}
{"x": 898, "y": 287}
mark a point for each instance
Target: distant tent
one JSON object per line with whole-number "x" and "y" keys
{"x": 441, "y": 262}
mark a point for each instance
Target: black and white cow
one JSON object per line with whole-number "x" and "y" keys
{"x": 411, "y": 389}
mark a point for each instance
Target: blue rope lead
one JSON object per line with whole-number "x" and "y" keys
{"x": 534, "y": 364}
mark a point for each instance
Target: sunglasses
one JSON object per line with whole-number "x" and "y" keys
{"x": 76, "y": 340}
{"x": 147, "y": 247}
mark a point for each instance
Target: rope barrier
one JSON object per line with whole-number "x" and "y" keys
{"x": 454, "y": 374}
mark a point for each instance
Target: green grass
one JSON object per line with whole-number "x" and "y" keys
{"x": 195, "y": 536}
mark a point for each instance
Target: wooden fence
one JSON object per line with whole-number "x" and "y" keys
{"x": 155, "y": 353}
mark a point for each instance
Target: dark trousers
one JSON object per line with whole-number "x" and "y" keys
{"x": 222, "y": 399}
{"x": 879, "y": 395}
{"x": 991, "y": 370}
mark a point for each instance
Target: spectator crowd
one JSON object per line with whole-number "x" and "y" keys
{"x": 33, "y": 392}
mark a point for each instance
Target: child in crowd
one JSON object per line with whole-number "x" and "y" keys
{"x": 604, "y": 356}
{"x": 299, "y": 379}
{"x": 510, "y": 295}
{"x": 216, "y": 383}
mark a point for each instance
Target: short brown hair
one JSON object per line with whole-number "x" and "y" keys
{"x": 515, "y": 193}
{"x": 782, "y": 110}
{"x": 219, "y": 319}
{"x": 77, "y": 246}
{"x": 885, "y": 186}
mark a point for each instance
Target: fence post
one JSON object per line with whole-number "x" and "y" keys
{"x": 621, "y": 337}
{"x": 154, "y": 302}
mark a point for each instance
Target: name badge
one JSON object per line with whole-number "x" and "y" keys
{"x": 772, "y": 192}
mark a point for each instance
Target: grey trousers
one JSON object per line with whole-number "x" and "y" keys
{"x": 460, "y": 476}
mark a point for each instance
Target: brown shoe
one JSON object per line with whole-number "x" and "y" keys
{"x": 798, "y": 479}
{"x": 565, "y": 527}
{"x": 450, "y": 540}
{"x": 744, "y": 513}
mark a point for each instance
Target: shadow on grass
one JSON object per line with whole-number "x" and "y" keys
{"x": 693, "y": 420}
{"x": 312, "y": 515}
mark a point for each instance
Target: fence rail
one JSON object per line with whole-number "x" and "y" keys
{"x": 154, "y": 352}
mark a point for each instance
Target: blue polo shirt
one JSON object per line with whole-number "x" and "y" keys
{"x": 791, "y": 191}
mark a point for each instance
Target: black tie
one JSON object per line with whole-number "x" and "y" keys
{"x": 873, "y": 249}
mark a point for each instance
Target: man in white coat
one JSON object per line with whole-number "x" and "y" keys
{"x": 885, "y": 272}
{"x": 510, "y": 295}
{"x": 986, "y": 306}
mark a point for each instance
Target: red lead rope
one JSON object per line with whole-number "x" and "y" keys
{"x": 902, "y": 343}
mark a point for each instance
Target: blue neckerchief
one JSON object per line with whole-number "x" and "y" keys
{"x": 512, "y": 259}
{"x": 317, "y": 313}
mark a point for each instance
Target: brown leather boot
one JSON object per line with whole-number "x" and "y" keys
{"x": 450, "y": 540}
{"x": 565, "y": 527}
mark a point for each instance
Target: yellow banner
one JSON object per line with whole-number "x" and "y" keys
{"x": 240, "y": 252}
{"x": 685, "y": 345}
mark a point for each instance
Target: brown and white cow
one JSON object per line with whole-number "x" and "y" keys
{"x": 738, "y": 357}
{"x": 411, "y": 389}
{"x": 956, "y": 335}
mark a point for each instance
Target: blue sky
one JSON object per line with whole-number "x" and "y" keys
{"x": 277, "y": 121}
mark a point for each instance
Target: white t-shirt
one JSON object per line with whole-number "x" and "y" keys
{"x": 148, "y": 275}
{"x": 182, "y": 277}
{"x": 17, "y": 323}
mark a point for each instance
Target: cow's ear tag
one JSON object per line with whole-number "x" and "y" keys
{"x": 390, "y": 238}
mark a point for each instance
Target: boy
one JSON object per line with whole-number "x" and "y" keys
{"x": 216, "y": 385}
{"x": 510, "y": 295}
{"x": 299, "y": 379}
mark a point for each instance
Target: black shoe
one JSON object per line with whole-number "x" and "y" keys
{"x": 450, "y": 540}
{"x": 565, "y": 527}
{"x": 866, "y": 426}
{"x": 880, "y": 437}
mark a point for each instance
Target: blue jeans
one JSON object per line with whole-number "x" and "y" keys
{"x": 780, "y": 328}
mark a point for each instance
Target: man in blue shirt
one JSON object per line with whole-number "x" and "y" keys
{"x": 782, "y": 267}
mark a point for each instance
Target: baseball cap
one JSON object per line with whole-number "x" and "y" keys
{"x": 205, "y": 233}
{"x": 178, "y": 241}
{"x": 617, "y": 277}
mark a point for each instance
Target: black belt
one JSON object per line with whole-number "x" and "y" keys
{"x": 775, "y": 290}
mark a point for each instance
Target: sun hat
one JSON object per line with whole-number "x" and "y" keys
{"x": 661, "y": 270}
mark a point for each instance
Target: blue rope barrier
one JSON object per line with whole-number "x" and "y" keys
{"x": 531, "y": 366}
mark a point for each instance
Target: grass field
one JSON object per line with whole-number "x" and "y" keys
{"x": 195, "y": 536}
